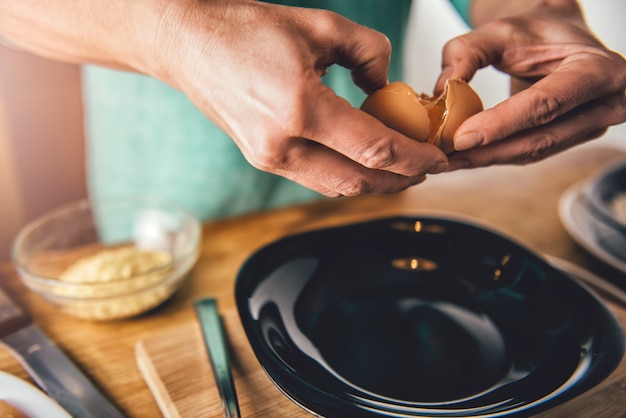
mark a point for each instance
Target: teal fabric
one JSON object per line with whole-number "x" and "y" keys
{"x": 146, "y": 138}
{"x": 462, "y": 7}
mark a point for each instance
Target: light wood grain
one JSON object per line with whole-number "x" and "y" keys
{"x": 519, "y": 201}
{"x": 175, "y": 366}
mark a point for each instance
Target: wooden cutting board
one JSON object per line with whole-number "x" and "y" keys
{"x": 176, "y": 368}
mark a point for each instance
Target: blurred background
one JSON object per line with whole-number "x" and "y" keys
{"x": 41, "y": 119}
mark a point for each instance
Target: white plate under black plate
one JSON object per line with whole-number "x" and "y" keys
{"x": 589, "y": 231}
{"x": 604, "y": 194}
{"x": 422, "y": 316}
{"x": 28, "y": 399}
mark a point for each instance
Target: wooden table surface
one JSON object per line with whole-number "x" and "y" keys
{"x": 519, "y": 201}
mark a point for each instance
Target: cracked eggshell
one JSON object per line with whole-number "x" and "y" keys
{"x": 432, "y": 119}
{"x": 461, "y": 102}
{"x": 400, "y": 108}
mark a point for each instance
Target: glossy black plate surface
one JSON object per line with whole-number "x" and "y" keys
{"x": 422, "y": 317}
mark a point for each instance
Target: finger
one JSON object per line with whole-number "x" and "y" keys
{"x": 583, "y": 124}
{"x": 365, "y": 52}
{"x": 367, "y": 56}
{"x": 321, "y": 169}
{"x": 367, "y": 141}
{"x": 464, "y": 55}
{"x": 577, "y": 80}
{"x": 334, "y": 39}
{"x": 503, "y": 46}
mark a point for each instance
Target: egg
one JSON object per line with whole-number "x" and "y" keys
{"x": 423, "y": 117}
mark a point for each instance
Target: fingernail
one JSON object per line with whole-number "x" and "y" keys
{"x": 439, "y": 167}
{"x": 467, "y": 141}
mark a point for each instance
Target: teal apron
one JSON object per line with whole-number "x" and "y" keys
{"x": 145, "y": 138}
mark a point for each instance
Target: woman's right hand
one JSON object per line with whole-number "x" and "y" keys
{"x": 256, "y": 70}
{"x": 253, "y": 68}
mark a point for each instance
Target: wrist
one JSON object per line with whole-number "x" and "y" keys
{"x": 183, "y": 31}
{"x": 106, "y": 33}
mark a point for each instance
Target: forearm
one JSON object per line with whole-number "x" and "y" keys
{"x": 119, "y": 34}
{"x": 567, "y": 86}
{"x": 484, "y": 11}
{"x": 99, "y": 32}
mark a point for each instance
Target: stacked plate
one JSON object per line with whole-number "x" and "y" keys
{"x": 594, "y": 214}
{"x": 27, "y": 398}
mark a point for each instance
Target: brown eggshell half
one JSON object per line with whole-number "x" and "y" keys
{"x": 422, "y": 117}
{"x": 461, "y": 102}
{"x": 399, "y": 107}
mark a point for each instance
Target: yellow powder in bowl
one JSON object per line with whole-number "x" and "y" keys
{"x": 118, "y": 283}
{"x": 114, "y": 265}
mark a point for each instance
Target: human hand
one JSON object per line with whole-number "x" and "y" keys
{"x": 255, "y": 69}
{"x": 575, "y": 86}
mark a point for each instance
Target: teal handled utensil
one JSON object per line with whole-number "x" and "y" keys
{"x": 49, "y": 366}
{"x": 217, "y": 349}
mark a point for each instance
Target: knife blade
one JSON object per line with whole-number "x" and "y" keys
{"x": 51, "y": 369}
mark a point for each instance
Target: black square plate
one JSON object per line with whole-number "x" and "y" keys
{"x": 422, "y": 316}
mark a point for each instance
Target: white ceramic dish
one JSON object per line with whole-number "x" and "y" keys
{"x": 599, "y": 239}
{"x": 606, "y": 196}
{"x": 28, "y": 399}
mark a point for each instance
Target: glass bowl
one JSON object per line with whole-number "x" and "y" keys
{"x": 108, "y": 259}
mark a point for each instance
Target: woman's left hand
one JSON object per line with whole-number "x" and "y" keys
{"x": 567, "y": 86}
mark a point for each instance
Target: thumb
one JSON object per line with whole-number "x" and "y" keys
{"x": 464, "y": 55}
{"x": 367, "y": 54}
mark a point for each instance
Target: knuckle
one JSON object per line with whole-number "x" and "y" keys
{"x": 384, "y": 44}
{"x": 264, "y": 159}
{"x": 616, "y": 63}
{"x": 377, "y": 43}
{"x": 355, "y": 186}
{"x": 379, "y": 156}
{"x": 293, "y": 122}
{"x": 327, "y": 21}
{"x": 458, "y": 44}
{"x": 455, "y": 49}
{"x": 269, "y": 154}
{"x": 543, "y": 146}
{"x": 294, "y": 116}
{"x": 509, "y": 26}
{"x": 547, "y": 109}
{"x": 280, "y": 144}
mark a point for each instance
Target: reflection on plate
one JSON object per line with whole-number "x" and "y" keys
{"x": 429, "y": 317}
{"x": 600, "y": 239}
{"x": 28, "y": 399}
